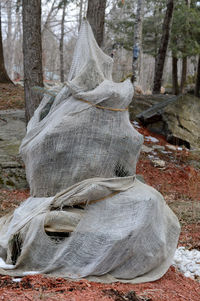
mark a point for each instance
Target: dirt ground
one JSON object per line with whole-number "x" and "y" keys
{"x": 11, "y": 97}
{"x": 178, "y": 181}
{"x": 172, "y": 287}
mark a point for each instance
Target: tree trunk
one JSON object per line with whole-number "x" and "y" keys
{"x": 9, "y": 38}
{"x": 96, "y": 18}
{"x": 183, "y": 74}
{"x": 32, "y": 50}
{"x": 15, "y": 39}
{"x": 61, "y": 47}
{"x": 4, "y": 78}
{"x": 160, "y": 58}
{"x": 175, "y": 75}
{"x": 137, "y": 42}
{"x": 184, "y": 59}
{"x": 80, "y": 14}
{"x": 197, "y": 84}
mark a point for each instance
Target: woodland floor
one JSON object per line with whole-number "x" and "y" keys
{"x": 178, "y": 181}
{"x": 11, "y": 97}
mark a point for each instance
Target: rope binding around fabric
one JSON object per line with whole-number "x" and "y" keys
{"x": 103, "y": 108}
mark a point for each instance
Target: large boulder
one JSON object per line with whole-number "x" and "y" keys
{"x": 177, "y": 118}
{"x": 142, "y": 103}
{"x": 12, "y": 130}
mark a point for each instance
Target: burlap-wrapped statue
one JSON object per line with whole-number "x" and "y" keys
{"x": 87, "y": 215}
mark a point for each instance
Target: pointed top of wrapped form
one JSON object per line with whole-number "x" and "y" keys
{"x": 90, "y": 65}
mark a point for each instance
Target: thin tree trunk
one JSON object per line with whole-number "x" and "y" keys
{"x": 4, "y": 78}
{"x": 96, "y": 18}
{"x": 160, "y": 58}
{"x": 15, "y": 39}
{"x": 175, "y": 75}
{"x": 184, "y": 59}
{"x": 85, "y": 2}
{"x": 9, "y": 38}
{"x": 197, "y": 84}
{"x": 80, "y": 14}
{"x": 45, "y": 26}
{"x": 155, "y": 13}
{"x": 183, "y": 74}
{"x": 32, "y": 50}
{"x": 61, "y": 47}
{"x": 137, "y": 42}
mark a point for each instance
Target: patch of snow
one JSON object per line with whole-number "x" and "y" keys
{"x": 136, "y": 124}
{"x": 146, "y": 149}
{"x": 6, "y": 266}
{"x": 158, "y": 147}
{"x": 188, "y": 262}
{"x": 30, "y": 273}
{"x": 151, "y": 157}
{"x": 173, "y": 147}
{"x": 179, "y": 148}
{"x": 165, "y": 152}
{"x": 16, "y": 279}
{"x": 151, "y": 139}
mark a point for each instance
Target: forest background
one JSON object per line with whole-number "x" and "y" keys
{"x": 60, "y": 22}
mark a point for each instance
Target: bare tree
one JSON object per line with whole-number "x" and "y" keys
{"x": 53, "y": 9}
{"x": 197, "y": 84}
{"x": 61, "y": 47}
{"x": 175, "y": 75}
{"x": 80, "y": 13}
{"x": 4, "y": 78}
{"x": 9, "y": 36}
{"x": 184, "y": 59}
{"x": 16, "y": 44}
{"x": 183, "y": 74}
{"x": 32, "y": 50}
{"x": 96, "y": 18}
{"x": 160, "y": 58}
{"x": 137, "y": 44}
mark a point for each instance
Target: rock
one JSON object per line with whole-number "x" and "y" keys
{"x": 158, "y": 163}
{"x": 11, "y": 164}
{"x": 158, "y": 147}
{"x": 177, "y": 118}
{"x": 12, "y": 130}
{"x": 171, "y": 147}
{"x": 146, "y": 149}
{"x": 141, "y": 103}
